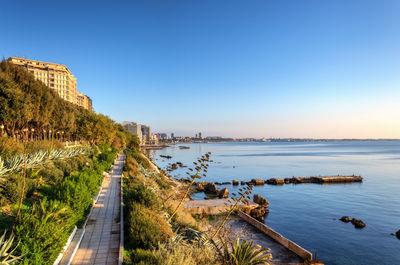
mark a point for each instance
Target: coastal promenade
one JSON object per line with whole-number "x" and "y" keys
{"x": 101, "y": 240}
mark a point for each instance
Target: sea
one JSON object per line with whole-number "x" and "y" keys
{"x": 309, "y": 214}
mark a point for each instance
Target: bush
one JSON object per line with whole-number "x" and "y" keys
{"x": 183, "y": 253}
{"x": 144, "y": 257}
{"x": 139, "y": 157}
{"x": 77, "y": 191}
{"x": 10, "y": 190}
{"x": 142, "y": 195}
{"x": 145, "y": 228}
{"x": 51, "y": 174}
{"x": 162, "y": 182}
{"x": 43, "y": 232}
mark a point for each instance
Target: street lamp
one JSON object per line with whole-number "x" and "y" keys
{"x": 2, "y": 128}
{"x": 32, "y": 130}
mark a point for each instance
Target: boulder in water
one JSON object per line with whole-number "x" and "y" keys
{"x": 258, "y": 213}
{"x": 210, "y": 188}
{"x": 358, "y": 223}
{"x": 287, "y": 180}
{"x": 257, "y": 182}
{"x": 223, "y": 193}
{"x": 275, "y": 181}
{"x": 345, "y": 219}
{"x": 260, "y": 200}
{"x": 398, "y": 234}
{"x": 235, "y": 182}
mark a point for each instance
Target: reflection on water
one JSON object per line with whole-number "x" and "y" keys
{"x": 308, "y": 213}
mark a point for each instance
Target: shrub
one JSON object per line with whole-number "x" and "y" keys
{"x": 146, "y": 229}
{"x": 10, "y": 190}
{"x": 144, "y": 257}
{"x": 139, "y": 157}
{"x": 141, "y": 195}
{"x": 183, "y": 253}
{"x": 43, "y": 232}
{"x": 77, "y": 190}
{"x": 66, "y": 166}
{"x": 51, "y": 174}
{"x": 162, "y": 182}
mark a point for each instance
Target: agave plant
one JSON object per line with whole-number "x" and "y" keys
{"x": 16, "y": 163}
{"x": 243, "y": 252}
{"x": 6, "y": 256}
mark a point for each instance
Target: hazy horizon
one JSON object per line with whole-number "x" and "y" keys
{"x": 274, "y": 69}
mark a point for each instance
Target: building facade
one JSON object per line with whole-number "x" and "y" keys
{"x": 146, "y": 134}
{"x": 84, "y": 101}
{"x": 134, "y": 128}
{"x": 57, "y": 77}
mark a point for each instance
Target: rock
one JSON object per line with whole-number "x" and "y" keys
{"x": 226, "y": 183}
{"x": 345, "y": 219}
{"x": 210, "y": 188}
{"x": 275, "y": 181}
{"x": 258, "y": 213}
{"x": 223, "y": 193}
{"x": 235, "y": 182}
{"x": 296, "y": 180}
{"x": 287, "y": 180}
{"x": 398, "y": 234}
{"x": 257, "y": 182}
{"x": 174, "y": 166}
{"x": 243, "y": 182}
{"x": 358, "y": 223}
{"x": 260, "y": 200}
{"x": 218, "y": 183}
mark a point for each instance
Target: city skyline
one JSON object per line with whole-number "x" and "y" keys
{"x": 232, "y": 69}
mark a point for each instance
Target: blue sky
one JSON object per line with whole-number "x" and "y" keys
{"x": 232, "y": 68}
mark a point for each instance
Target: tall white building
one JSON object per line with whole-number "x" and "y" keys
{"x": 134, "y": 128}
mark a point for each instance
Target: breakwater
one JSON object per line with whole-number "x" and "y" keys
{"x": 296, "y": 180}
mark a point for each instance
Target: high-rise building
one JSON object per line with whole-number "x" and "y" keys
{"x": 172, "y": 135}
{"x": 200, "y": 135}
{"x": 57, "y": 77}
{"x": 84, "y": 101}
{"x": 146, "y": 134}
{"x": 133, "y": 128}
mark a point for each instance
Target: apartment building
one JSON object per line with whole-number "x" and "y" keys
{"x": 84, "y": 101}
{"x": 57, "y": 77}
{"x": 134, "y": 128}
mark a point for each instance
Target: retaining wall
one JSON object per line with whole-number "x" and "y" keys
{"x": 301, "y": 252}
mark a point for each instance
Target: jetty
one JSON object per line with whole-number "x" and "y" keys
{"x": 337, "y": 179}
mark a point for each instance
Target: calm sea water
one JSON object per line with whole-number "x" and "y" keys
{"x": 308, "y": 213}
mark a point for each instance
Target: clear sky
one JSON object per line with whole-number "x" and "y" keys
{"x": 248, "y": 68}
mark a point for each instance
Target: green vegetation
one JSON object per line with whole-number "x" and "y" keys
{"x": 6, "y": 252}
{"x": 245, "y": 253}
{"x": 47, "y": 189}
{"x": 48, "y": 218}
{"x": 152, "y": 211}
{"x": 30, "y": 109}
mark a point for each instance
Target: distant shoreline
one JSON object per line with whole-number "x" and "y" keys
{"x": 166, "y": 143}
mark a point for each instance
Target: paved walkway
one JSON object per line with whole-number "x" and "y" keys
{"x": 100, "y": 243}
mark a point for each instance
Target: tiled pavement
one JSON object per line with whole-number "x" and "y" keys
{"x": 100, "y": 243}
